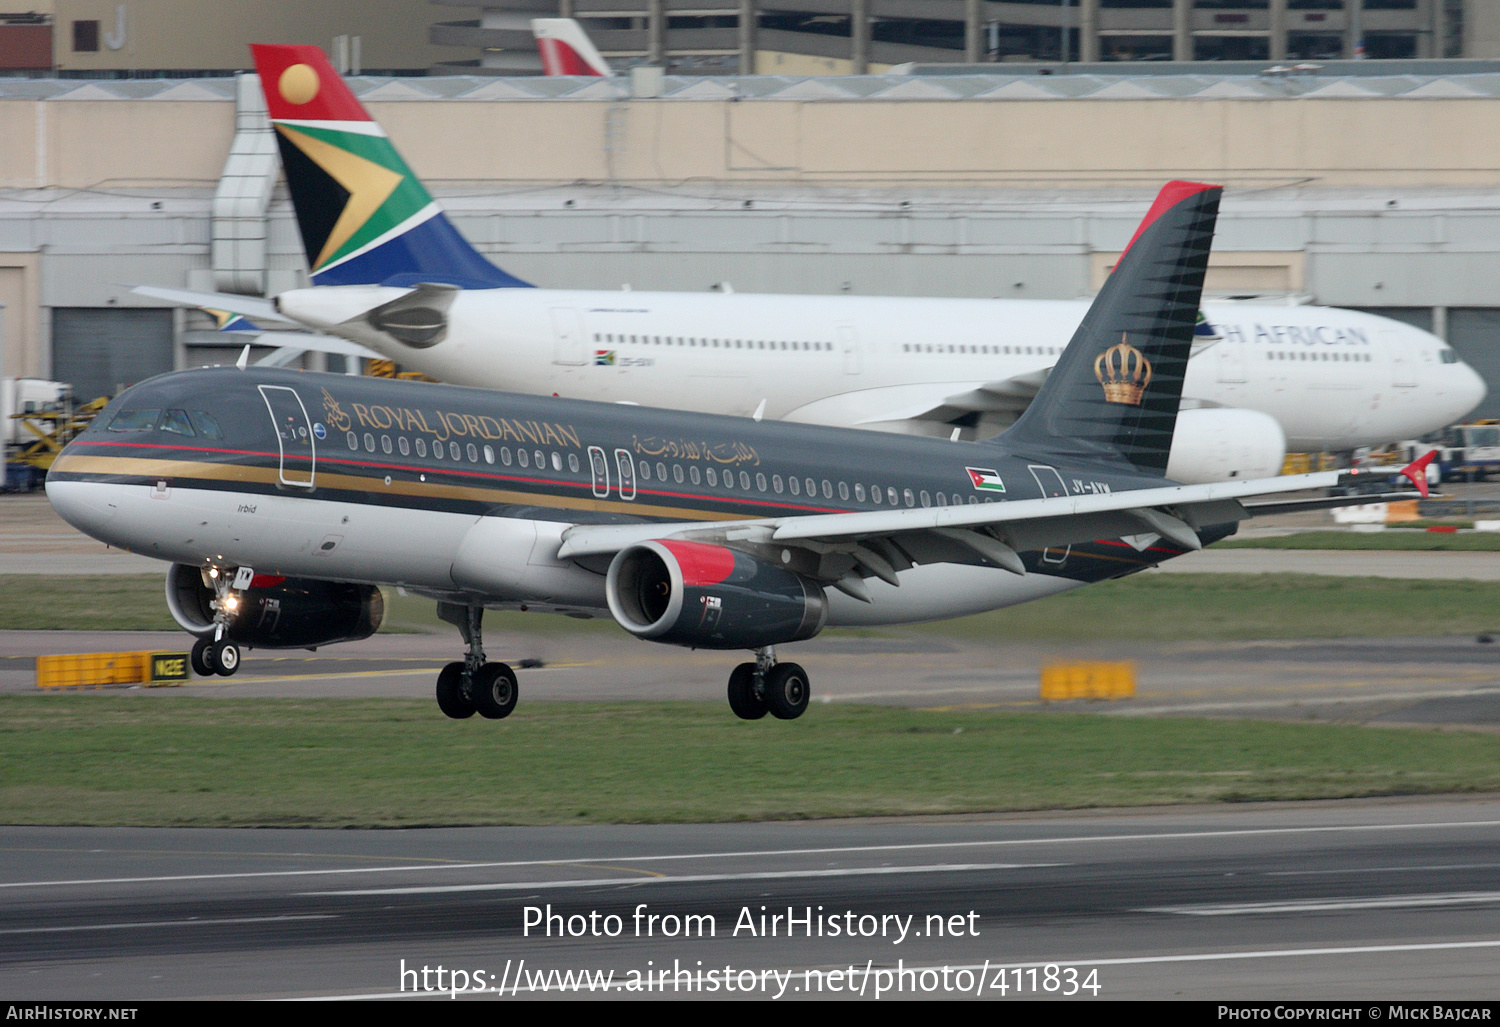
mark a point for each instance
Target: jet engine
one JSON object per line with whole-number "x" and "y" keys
{"x": 711, "y": 597}
{"x": 276, "y": 612}
{"x": 1223, "y": 443}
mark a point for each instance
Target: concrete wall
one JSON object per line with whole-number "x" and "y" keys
{"x": 1044, "y": 144}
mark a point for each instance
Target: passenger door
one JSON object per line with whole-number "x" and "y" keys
{"x": 294, "y": 435}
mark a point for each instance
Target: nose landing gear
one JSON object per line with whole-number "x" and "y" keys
{"x": 472, "y": 685}
{"x": 765, "y": 686}
{"x": 215, "y": 653}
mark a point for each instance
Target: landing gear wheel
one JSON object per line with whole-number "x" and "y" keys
{"x": 450, "y": 692}
{"x": 225, "y": 657}
{"x": 742, "y": 698}
{"x": 202, "y": 657}
{"x": 787, "y": 691}
{"x": 495, "y": 691}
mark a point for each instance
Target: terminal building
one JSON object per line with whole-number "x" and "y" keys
{"x": 1376, "y": 191}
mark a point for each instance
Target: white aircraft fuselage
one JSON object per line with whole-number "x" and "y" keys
{"x": 1333, "y": 379}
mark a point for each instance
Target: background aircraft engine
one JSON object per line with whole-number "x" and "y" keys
{"x": 710, "y": 597}
{"x": 276, "y": 612}
{"x": 1224, "y": 443}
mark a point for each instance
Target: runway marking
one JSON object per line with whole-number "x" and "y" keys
{"x": 191, "y": 922}
{"x": 839, "y": 850}
{"x": 1381, "y": 870}
{"x": 623, "y": 870}
{"x": 764, "y": 875}
{"x": 1474, "y": 898}
{"x": 1083, "y": 961}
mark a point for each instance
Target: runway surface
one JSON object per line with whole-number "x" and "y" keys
{"x": 1371, "y": 680}
{"x": 1364, "y": 900}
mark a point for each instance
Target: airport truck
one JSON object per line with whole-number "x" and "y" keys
{"x": 29, "y": 406}
{"x": 1466, "y": 452}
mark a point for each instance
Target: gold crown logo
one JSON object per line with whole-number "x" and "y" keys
{"x": 1124, "y": 372}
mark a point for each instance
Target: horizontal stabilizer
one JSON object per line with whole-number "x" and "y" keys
{"x": 250, "y": 306}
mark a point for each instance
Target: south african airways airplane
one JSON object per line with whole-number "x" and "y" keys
{"x": 282, "y": 499}
{"x": 392, "y": 274}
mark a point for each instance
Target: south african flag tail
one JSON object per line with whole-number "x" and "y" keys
{"x": 365, "y": 218}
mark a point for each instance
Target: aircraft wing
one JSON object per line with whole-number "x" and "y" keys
{"x": 879, "y": 543}
{"x": 1172, "y": 511}
{"x": 946, "y": 403}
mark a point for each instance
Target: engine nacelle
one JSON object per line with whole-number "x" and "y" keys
{"x": 711, "y": 597}
{"x": 1220, "y": 444}
{"x": 276, "y": 612}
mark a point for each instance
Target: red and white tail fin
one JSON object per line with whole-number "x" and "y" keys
{"x": 566, "y": 48}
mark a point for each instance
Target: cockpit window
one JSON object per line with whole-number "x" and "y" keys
{"x": 176, "y": 422}
{"x": 1448, "y": 356}
{"x": 204, "y": 422}
{"x": 134, "y": 420}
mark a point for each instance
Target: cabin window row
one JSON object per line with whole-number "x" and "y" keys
{"x": 978, "y": 350}
{"x": 454, "y": 451}
{"x": 810, "y": 488}
{"x": 680, "y": 340}
{"x": 1361, "y": 358}
{"x": 726, "y": 478}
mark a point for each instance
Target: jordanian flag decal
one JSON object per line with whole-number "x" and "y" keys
{"x": 985, "y": 480}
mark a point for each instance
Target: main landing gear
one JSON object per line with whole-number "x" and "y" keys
{"x": 765, "y": 686}
{"x": 471, "y": 685}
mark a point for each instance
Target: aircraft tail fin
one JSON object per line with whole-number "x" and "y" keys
{"x": 1114, "y": 393}
{"x": 566, "y": 49}
{"x": 365, "y": 218}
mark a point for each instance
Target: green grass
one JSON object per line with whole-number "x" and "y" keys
{"x": 113, "y": 759}
{"x": 1144, "y": 607}
{"x": 1404, "y": 541}
{"x": 1176, "y": 607}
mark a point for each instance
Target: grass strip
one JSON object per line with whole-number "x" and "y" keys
{"x": 113, "y": 759}
{"x": 1398, "y": 540}
{"x": 1143, "y": 607}
{"x": 1177, "y": 607}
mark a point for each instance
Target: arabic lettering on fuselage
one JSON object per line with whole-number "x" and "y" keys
{"x": 446, "y": 424}
{"x": 1303, "y": 335}
{"x": 692, "y": 449}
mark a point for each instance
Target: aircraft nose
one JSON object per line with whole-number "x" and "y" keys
{"x": 87, "y": 505}
{"x": 1470, "y": 389}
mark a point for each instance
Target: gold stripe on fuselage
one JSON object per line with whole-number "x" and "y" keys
{"x": 139, "y": 467}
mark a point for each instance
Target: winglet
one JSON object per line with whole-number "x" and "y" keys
{"x": 244, "y": 357}
{"x": 1417, "y": 471}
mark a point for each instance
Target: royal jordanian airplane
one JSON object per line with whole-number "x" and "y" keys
{"x": 282, "y": 499}
{"x": 392, "y": 274}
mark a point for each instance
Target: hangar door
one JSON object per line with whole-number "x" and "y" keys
{"x": 99, "y": 349}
